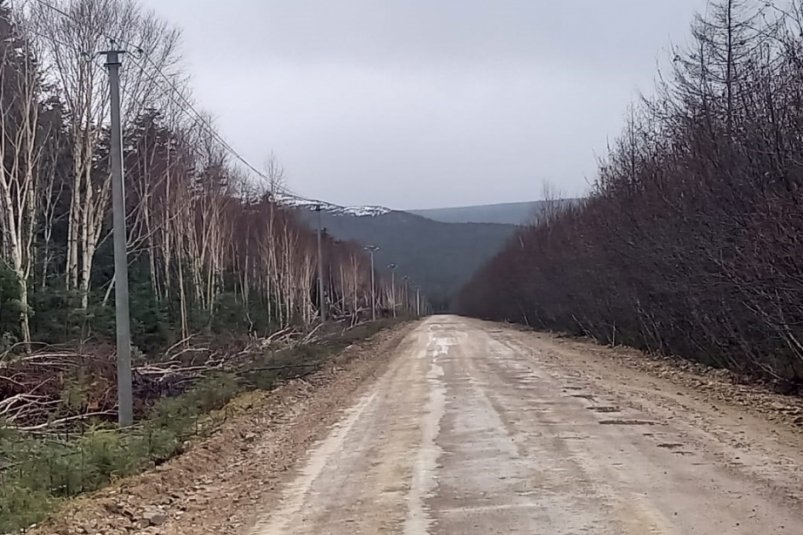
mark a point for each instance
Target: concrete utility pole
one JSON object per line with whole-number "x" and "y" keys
{"x": 418, "y": 302}
{"x": 125, "y": 400}
{"x": 372, "y": 249}
{"x": 321, "y": 297}
{"x": 392, "y": 268}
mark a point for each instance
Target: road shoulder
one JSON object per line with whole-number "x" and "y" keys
{"x": 221, "y": 483}
{"x": 748, "y": 429}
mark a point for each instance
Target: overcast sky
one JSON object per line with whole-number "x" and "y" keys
{"x": 425, "y": 103}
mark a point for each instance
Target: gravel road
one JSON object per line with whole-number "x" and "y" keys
{"x": 476, "y": 428}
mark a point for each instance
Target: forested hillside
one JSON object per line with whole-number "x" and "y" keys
{"x": 209, "y": 249}
{"x": 439, "y": 257}
{"x": 690, "y": 242}
{"x": 519, "y": 213}
{"x": 516, "y": 213}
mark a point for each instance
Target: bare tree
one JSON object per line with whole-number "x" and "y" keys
{"x": 70, "y": 43}
{"x": 20, "y": 151}
{"x": 688, "y": 243}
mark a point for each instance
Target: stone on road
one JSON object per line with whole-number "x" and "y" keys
{"x": 481, "y": 429}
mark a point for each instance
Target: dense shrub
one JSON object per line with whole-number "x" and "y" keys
{"x": 690, "y": 242}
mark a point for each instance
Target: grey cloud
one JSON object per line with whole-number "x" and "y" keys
{"x": 414, "y": 103}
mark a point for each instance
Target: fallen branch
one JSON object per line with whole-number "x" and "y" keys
{"x": 308, "y": 338}
{"x": 283, "y": 367}
{"x": 68, "y": 419}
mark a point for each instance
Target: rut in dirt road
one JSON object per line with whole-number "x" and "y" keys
{"x": 482, "y": 429}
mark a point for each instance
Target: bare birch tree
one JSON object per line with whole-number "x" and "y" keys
{"x": 71, "y": 43}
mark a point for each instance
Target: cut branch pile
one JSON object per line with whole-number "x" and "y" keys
{"x": 57, "y": 389}
{"x": 50, "y": 385}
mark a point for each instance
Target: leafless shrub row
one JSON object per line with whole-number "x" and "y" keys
{"x": 692, "y": 240}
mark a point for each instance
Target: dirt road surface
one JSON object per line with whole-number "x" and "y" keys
{"x": 455, "y": 426}
{"x": 477, "y": 428}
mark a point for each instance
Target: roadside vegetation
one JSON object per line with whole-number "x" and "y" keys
{"x": 41, "y": 470}
{"x": 211, "y": 249}
{"x": 690, "y": 242}
{"x": 42, "y": 467}
{"x": 223, "y": 277}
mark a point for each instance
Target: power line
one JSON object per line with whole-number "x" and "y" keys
{"x": 72, "y": 18}
{"x": 176, "y": 96}
{"x": 189, "y": 109}
{"x": 186, "y": 106}
{"x": 58, "y": 10}
{"x": 198, "y": 115}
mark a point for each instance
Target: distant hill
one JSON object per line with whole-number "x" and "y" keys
{"x": 517, "y": 213}
{"x": 441, "y": 257}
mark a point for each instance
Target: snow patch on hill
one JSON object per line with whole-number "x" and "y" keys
{"x": 358, "y": 211}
